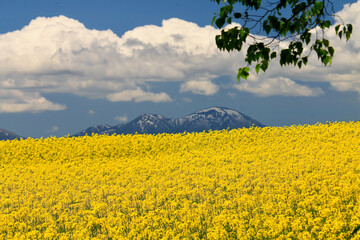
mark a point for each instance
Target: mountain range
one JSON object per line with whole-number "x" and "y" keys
{"x": 7, "y": 135}
{"x": 214, "y": 118}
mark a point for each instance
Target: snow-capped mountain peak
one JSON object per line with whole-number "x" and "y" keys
{"x": 214, "y": 118}
{"x": 219, "y": 110}
{"x": 217, "y": 118}
{"x": 216, "y": 113}
{"x": 150, "y": 118}
{"x": 216, "y": 109}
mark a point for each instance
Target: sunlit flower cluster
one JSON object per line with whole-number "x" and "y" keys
{"x": 298, "y": 182}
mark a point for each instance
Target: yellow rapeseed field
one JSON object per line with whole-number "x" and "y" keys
{"x": 298, "y": 182}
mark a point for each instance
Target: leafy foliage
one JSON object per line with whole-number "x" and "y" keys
{"x": 303, "y": 22}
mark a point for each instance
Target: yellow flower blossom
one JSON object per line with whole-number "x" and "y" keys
{"x": 297, "y": 182}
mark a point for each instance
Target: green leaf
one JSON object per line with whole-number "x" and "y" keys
{"x": 299, "y": 47}
{"x": 327, "y": 60}
{"x": 220, "y": 22}
{"x": 318, "y": 6}
{"x": 257, "y": 4}
{"x": 318, "y": 43}
{"x": 349, "y": 27}
{"x": 323, "y": 52}
{"x": 243, "y": 73}
{"x": 285, "y": 57}
{"x": 331, "y": 51}
{"x": 264, "y": 65}
{"x": 228, "y": 20}
{"x": 224, "y": 11}
{"x": 237, "y": 15}
{"x": 337, "y": 28}
{"x": 266, "y": 27}
{"x": 299, "y": 64}
{"x": 348, "y": 34}
{"x": 274, "y": 22}
{"x": 244, "y": 32}
{"x": 213, "y": 20}
{"x": 306, "y": 37}
{"x": 273, "y": 55}
{"x": 340, "y": 34}
{"x": 266, "y": 53}
{"x": 257, "y": 68}
{"x": 281, "y": 27}
{"x": 325, "y": 42}
{"x": 305, "y": 60}
{"x": 327, "y": 23}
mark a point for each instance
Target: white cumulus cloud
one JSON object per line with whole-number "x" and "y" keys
{"x": 199, "y": 87}
{"x": 138, "y": 95}
{"x": 53, "y": 129}
{"x": 60, "y": 55}
{"x": 14, "y": 101}
{"x": 123, "y": 118}
{"x": 277, "y": 86}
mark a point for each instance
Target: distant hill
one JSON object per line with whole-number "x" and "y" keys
{"x": 7, "y": 135}
{"x": 214, "y": 118}
{"x": 99, "y": 129}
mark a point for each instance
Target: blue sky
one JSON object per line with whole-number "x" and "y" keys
{"x": 66, "y": 65}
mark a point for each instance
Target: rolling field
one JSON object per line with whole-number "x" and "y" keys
{"x": 298, "y": 182}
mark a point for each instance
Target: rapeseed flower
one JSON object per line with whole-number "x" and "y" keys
{"x": 297, "y": 182}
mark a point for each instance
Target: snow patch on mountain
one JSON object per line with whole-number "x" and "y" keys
{"x": 214, "y": 118}
{"x": 7, "y": 135}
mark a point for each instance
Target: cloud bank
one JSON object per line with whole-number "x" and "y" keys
{"x": 15, "y": 101}
{"x": 138, "y": 95}
{"x": 199, "y": 87}
{"x": 60, "y": 55}
{"x": 123, "y": 118}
